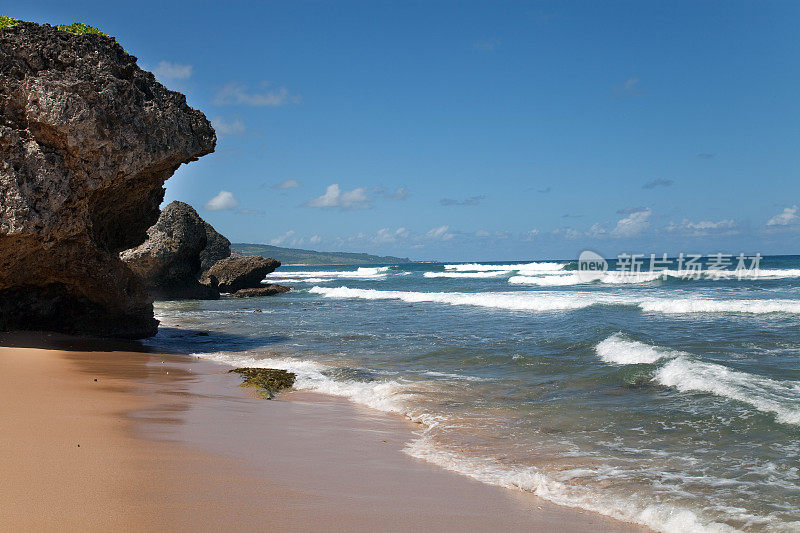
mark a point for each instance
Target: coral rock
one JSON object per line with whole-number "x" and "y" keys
{"x": 169, "y": 260}
{"x": 264, "y": 290}
{"x": 87, "y": 139}
{"x": 236, "y": 273}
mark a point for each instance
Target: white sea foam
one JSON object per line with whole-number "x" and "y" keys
{"x": 516, "y": 301}
{"x": 361, "y": 273}
{"x": 660, "y": 517}
{"x": 707, "y": 305}
{"x": 687, "y": 373}
{"x": 565, "y": 278}
{"x": 393, "y": 396}
{"x": 449, "y": 375}
{"x": 304, "y": 280}
{"x": 614, "y": 277}
{"x": 383, "y": 395}
{"x": 618, "y": 350}
{"x": 778, "y": 273}
{"x": 529, "y": 267}
{"x": 563, "y": 301}
{"x": 489, "y": 274}
{"x": 781, "y": 398}
{"x": 555, "y": 280}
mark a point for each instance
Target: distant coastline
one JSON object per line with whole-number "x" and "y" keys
{"x": 297, "y": 256}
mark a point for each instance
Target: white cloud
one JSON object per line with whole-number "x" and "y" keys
{"x": 656, "y": 183}
{"x": 442, "y": 233}
{"x": 400, "y": 194}
{"x": 629, "y": 87}
{"x": 223, "y": 200}
{"x": 172, "y": 71}
{"x": 567, "y": 233}
{"x": 315, "y": 239}
{"x": 482, "y": 233}
{"x": 282, "y": 238}
{"x": 335, "y": 197}
{"x": 486, "y": 45}
{"x": 472, "y": 200}
{"x": 530, "y": 234}
{"x": 238, "y": 94}
{"x": 385, "y": 235}
{"x": 704, "y": 227}
{"x": 788, "y": 217}
{"x": 633, "y": 225}
{"x": 224, "y": 126}
{"x": 597, "y": 230}
{"x": 287, "y": 184}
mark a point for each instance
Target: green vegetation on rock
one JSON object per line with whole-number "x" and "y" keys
{"x": 7, "y": 22}
{"x": 269, "y": 380}
{"x": 79, "y": 28}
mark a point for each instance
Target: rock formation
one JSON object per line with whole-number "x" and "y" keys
{"x": 265, "y": 290}
{"x": 87, "y": 139}
{"x": 177, "y": 249}
{"x": 236, "y": 273}
{"x": 169, "y": 261}
{"x": 217, "y": 248}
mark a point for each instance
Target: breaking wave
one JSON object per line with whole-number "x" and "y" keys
{"x": 564, "y": 301}
{"x": 520, "y": 267}
{"x": 687, "y": 373}
{"x": 518, "y": 301}
{"x": 321, "y": 276}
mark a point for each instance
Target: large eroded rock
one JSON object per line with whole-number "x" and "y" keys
{"x": 169, "y": 261}
{"x": 217, "y": 248}
{"x": 87, "y": 139}
{"x": 236, "y": 273}
{"x": 271, "y": 289}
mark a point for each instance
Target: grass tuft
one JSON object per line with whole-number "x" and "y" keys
{"x": 79, "y": 28}
{"x": 269, "y": 380}
{"x": 8, "y": 22}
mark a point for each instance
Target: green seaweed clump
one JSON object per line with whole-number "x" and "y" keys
{"x": 8, "y": 22}
{"x": 269, "y": 380}
{"x": 79, "y": 28}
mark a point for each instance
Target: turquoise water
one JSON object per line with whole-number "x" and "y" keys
{"x": 674, "y": 403}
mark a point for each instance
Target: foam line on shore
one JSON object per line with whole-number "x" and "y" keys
{"x": 659, "y": 517}
{"x": 392, "y": 396}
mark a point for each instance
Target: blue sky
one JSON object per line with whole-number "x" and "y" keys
{"x": 482, "y": 130}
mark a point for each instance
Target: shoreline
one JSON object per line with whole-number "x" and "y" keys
{"x": 154, "y": 425}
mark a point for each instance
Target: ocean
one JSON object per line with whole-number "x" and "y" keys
{"x": 666, "y": 401}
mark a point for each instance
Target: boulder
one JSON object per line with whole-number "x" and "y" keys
{"x": 169, "y": 260}
{"x": 236, "y": 273}
{"x": 265, "y": 290}
{"x": 217, "y": 248}
{"x": 87, "y": 139}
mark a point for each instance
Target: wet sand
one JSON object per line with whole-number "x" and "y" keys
{"x": 170, "y": 442}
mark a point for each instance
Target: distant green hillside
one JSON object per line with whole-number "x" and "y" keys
{"x": 293, "y": 256}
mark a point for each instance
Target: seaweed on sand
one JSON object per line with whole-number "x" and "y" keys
{"x": 270, "y": 381}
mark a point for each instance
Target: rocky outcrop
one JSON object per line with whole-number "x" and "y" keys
{"x": 265, "y": 290}
{"x": 87, "y": 139}
{"x": 217, "y": 248}
{"x": 236, "y": 273}
{"x": 169, "y": 261}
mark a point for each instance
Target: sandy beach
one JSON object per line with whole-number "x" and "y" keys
{"x": 110, "y": 440}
